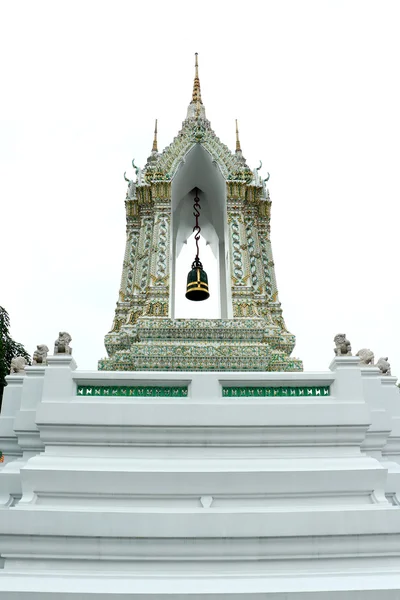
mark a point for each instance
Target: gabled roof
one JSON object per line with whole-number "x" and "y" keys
{"x": 196, "y": 129}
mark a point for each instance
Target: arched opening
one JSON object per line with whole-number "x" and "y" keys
{"x": 198, "y": 170}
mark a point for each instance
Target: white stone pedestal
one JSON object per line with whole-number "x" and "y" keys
{"x": 204, "y": 486}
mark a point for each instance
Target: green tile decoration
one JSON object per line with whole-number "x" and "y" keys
{"x": 284, "y": 392}
{"x": 132, "y": 391}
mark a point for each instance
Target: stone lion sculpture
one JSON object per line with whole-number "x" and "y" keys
{"x": 61, "y": 345}
{"x": 384, "y": 366}
{"x": 366, "y": 355}
{"x": 40, "y": 355}
{"x": 18, "y": 365}
{"x": 342, "y": 345}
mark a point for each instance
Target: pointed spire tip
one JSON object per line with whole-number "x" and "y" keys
{"x": 196, "y": 96}
{"x": 238, "y": 148}
{"x": 155, "y": 148}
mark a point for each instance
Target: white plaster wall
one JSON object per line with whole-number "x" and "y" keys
{"x": 206, "y": 496}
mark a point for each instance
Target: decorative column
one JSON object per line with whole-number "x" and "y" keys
{"x": 126, "y": 293}
{"x": 271, "y": 306}
{"x": 242, "y": 289}
{"x": 158, "y": 287}
{"x": 132, "y": 238}
{"x": 252, "y": 224}
{"x": 138, "y": 273}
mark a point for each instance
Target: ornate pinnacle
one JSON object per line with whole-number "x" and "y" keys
{"x": 238, "y": 148}
{"x": 155, "y": 149}
{"x": 196, "y": 96}
{"x": 196, "y": 108}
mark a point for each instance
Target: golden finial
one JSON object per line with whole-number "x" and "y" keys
{"x": 196, "y": 96}
{"x": 238, "y": 148}
{"x": 155, "y": 149}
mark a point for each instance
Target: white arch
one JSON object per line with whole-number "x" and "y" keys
{"x": 199, "y": 170}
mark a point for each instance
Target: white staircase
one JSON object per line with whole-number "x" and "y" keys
{"x": 200, "y": 485}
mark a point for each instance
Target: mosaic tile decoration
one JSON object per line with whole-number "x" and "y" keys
{"x": 144, "y": 336}
{"x": 200, "y": 356}
{"x": 276, "y": 391}
{"x": 135, "y": 391}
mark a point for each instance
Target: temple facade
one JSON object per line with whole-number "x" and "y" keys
{"x": 251, "y": 334}
{"x": 193, "y": 480}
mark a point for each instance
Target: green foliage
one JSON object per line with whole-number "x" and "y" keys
{"x": 9, "y": 349}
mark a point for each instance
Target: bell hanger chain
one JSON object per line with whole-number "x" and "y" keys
{"x": 197, "y": 229}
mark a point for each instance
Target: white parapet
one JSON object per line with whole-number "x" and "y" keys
{"x": 9, "y": 408}
{"x": 381, "y": 424}
{"x": 22, "y": 396}
{"x": 25, "y": 420}
{"x": 391, "y": 400}
{"x": 205, "y": 485}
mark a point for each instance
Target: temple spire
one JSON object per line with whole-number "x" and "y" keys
{"x": 196, "y": 96}
{"x": 238, "y": 148}
{"x": 155, "y": 149}
{"x": 196, "y": 109}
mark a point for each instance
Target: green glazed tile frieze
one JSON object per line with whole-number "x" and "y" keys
{"x": 134, "y": 391}
{"x": 276, "y": 391}
{"x": 182, "y": 391}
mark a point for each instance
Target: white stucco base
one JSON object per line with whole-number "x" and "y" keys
{"x": 203, "y": 496}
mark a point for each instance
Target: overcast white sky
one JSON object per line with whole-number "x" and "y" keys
{"x": 315, "y": 86}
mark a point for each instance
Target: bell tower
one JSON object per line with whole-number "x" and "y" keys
{"x": 197, "y": 173}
